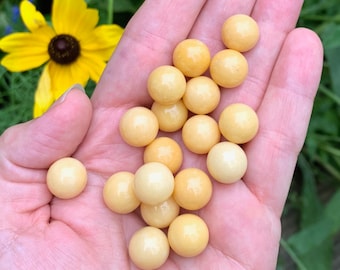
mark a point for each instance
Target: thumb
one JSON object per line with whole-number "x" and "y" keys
{"x": 57, "y": 133}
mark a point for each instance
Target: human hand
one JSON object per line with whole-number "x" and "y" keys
{"x": 42, "y": 232}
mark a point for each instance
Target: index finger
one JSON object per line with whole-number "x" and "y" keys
{"x": 148, "y": 41}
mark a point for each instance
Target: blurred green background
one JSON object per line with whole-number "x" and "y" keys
{"x": 311, "y": 218}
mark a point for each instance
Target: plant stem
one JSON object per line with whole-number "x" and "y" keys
{"x": 110, "y": 5}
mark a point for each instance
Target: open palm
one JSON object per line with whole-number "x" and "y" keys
{"x": 42, "y": 232}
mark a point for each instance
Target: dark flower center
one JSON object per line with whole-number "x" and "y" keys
{"x": 64, "y": 49}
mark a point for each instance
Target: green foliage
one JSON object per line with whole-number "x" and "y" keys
{"x": 311, "y": 247}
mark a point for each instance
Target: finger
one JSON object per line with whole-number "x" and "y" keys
{"x": 209, "y": 23}
{"x": 38, "y": 143}
{"x": 284, "y": 116}
{"x": 275, "y": 20}
{"x": 148, "y": 42}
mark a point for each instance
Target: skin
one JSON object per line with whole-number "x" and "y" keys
{"x": 38, "y": 231}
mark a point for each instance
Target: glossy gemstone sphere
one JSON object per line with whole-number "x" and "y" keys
{"x": 66, "y": 178}
{"x": 238, "y": 123}
{"x": 153, "y": 183}
{"x": 138, "y": 126}
{"x": 240, "y": 32}
{"x": 149, "y": 248}
{"x": 193, "y": 188}
{"x": 200, "y": 133}
{"x": 192, "y": 57}
{"x": 118, "y": 193}
{"x": 164, "y": 150}
{"x": 166, "y": 84}
{"x": 227, "y": 162}
{"x": 229, "y": 68}
{"x": 170, "y": 117}
{"x": 202, "y": 95}
{"x": 188, "y": 235}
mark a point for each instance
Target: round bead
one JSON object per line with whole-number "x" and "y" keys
{"x": 166, "y": 84}
{"x": 192, "y": 57}
{"x": 240, "y": 32}
{"x": 149, "y": 248}
{"x": 160, "y": 215}
{"x": 164, "y": 150}
{"x": 188, "y": 235}
{"x": 202, "y": 95}
{"x": 138, "y": 126}
{"x": 118, "y": 193}
{"x": 66, "y": 178}
{"x": 200, "y": 133}
{"x": 154, "y": 183}
{"x": 193, "y": 189}
{"x": 228, "y": 68}
{"x": 238, "y": 123}
{"x": 227, "y": 162}
{"x": 170, "y": 117}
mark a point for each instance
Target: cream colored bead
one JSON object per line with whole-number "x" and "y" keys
{"x": 229, "y": 68}
{"x": 240, "y": 32}
{"x": 238, "y": 123}
{"x": 192, "y": 57}
{"x": 193, "y": 188}
{"x": 153, "y": 183}
{"x": 227, "y": 162}
{"x": 166, "y": 84}
{"x": 138, "y": 126}
{"x": 202, "y": 95}
{"x": 200, "y": 133}
{"x": 188, "y": 235}
{"x": 149, "y": 248}
{"x": 170, "y": 117}
{"x": 160, "y": 215}
{"x": 66, "y": 178}
{"x": 118, "y": 193}
{"x": 164, "y": 150}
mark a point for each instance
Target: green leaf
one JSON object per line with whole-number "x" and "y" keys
{"x": 312, "y": 246}
{"x": 311, "y": 208}
{"x": 331, "y": 41}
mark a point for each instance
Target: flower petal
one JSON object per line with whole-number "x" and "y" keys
{"x": 105, "y": 36}
{"x": 64, "y": 76}
{"x": 32, "y": 18}
{"x": 73, "y": 17}
{"x": 18, "y": 62}
{"x": 38, "y": 40}
{"x": 43, "y": 97}
{"x": 26, "y": 50}
{"x": 93, "y": 64}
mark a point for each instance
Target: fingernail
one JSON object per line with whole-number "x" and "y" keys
{"x": 75, "y": 86}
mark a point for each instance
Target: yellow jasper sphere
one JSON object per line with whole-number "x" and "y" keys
{"x": 193, "y": 188}
{"x": 66, "y": 178}
{"x": 238, "y": 123}
{"x": 160, "y": 215}
{"x": 164, "y": 150}
{"x": 166, "y": 84}
{"x": 170, "y": 117}
{"x": 138, "y": 126}
{"x": 192, "y": 57}
{"x": 229, "y": 68}
{"x": 240, "y": 32}
{"x": 227, "y": 162}
{"x": 188, "y": 235}
{"x": 118, "y": 193}
{"x": 200, "y": 133}
{"x": 202, "y": 95}
{"x": 153, "y": 183}
{"x": 149, "y": 248}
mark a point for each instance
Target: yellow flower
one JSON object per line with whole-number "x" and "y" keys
{"x": 74, "y": 48}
